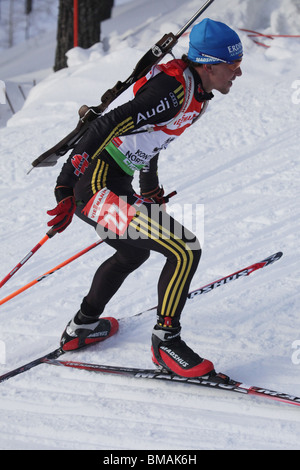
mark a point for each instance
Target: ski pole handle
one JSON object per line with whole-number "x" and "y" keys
{"x": 48, "y": 235}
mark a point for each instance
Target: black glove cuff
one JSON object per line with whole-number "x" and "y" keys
{"x": 63, "y": 192}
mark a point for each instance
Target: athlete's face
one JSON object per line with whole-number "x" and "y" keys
{"x": 220, "y": 76}
{"x": 223, "y": 75}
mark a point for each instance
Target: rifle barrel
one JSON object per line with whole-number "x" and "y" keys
{"x": 194, "y": 18}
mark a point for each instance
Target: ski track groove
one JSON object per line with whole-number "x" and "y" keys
{"x": 96, "y": 404}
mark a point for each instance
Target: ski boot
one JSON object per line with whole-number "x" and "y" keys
{"x": 172, "y": 354}
{"x": 83, "y": 330}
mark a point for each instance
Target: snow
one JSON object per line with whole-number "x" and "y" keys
{"x": 241, "y": 161}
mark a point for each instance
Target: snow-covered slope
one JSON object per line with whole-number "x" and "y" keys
{"x": 242, "y": 163}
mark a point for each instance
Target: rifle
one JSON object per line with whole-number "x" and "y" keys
{"x": 88, "y": 114}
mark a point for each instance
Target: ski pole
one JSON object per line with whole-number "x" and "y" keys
{"x": 48, "y": 235}
{"x": 59, "y": 266}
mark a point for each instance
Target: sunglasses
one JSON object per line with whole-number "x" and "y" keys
{"x": 235, "y": 65}
{"x": 231, "y": 65}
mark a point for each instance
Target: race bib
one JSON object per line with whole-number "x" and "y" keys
{"x": 110, "y": 211}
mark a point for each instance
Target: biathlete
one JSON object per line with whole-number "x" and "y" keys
{"x": 96, "y": 184}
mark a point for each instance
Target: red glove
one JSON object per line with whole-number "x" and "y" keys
{"x": 64, "y": 210}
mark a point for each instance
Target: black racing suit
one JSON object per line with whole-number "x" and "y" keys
{"x": 160, "y": 233}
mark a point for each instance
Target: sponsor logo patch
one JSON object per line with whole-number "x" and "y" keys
{"x": 80, "y": 163}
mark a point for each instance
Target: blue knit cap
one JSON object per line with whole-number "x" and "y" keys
{"x": 212, "y": 42}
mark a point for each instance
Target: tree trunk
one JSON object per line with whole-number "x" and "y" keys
{"x": 90, "y": 15}
{"x": 106, "y": 9}
{"x": 28, "y": 7}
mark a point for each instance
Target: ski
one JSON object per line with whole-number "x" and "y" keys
{"x": 220, "y": 381}
{"x": 41, "y": 360}
{"x": 201, "y": 290}
{"x": 231, "y": 277}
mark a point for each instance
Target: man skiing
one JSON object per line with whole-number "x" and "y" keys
{"x": 96, "y": 184}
